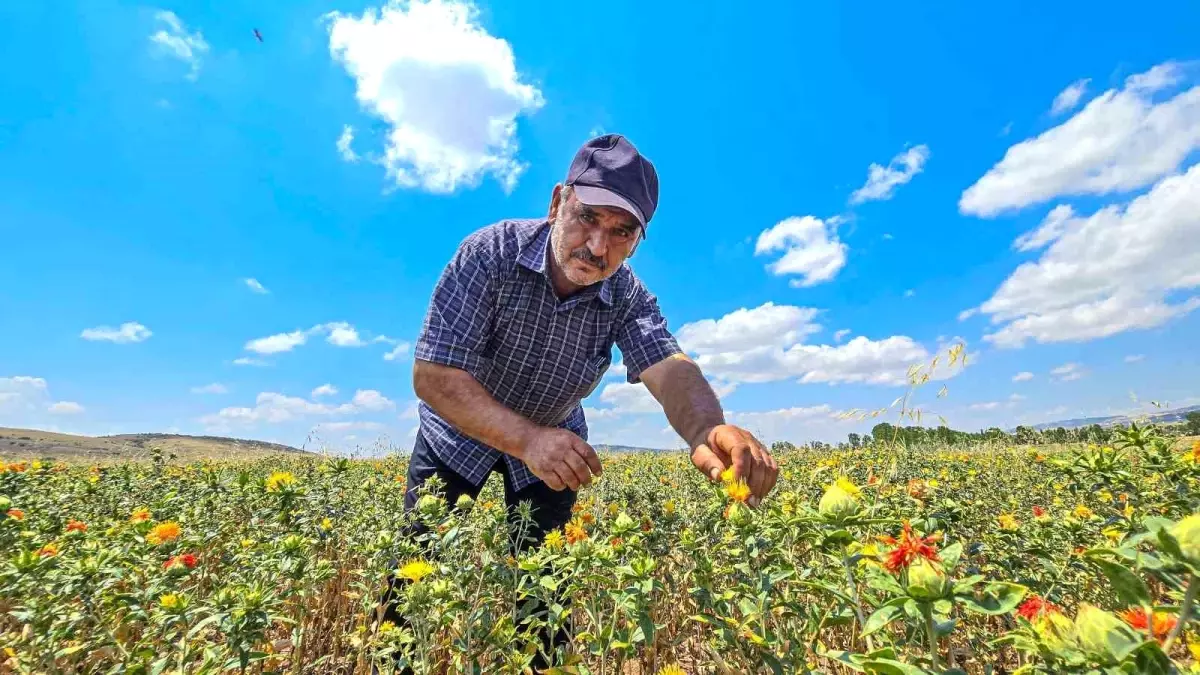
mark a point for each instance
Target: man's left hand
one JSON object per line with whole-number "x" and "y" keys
{"x": 726, "y": 446}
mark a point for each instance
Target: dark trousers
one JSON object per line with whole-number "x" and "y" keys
{"x": 551, "y": 510}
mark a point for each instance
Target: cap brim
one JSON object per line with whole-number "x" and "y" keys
{"x": 597, "y": 196}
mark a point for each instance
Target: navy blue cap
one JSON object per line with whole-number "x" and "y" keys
{"x": 609, "y": 171}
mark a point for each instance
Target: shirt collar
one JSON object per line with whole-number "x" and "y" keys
{"x": 533, "y": 257}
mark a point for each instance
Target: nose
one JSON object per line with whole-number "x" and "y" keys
{"x": 598, "y": 242}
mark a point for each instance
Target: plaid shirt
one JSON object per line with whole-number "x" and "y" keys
{"x": 494, "y": 314}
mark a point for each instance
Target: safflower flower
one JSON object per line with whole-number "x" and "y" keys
{"x": 163, "y": 533}
{"x": 187, "y": 560}
{"x": 575, "y": 532}
{"x": 554, "y": 540}
{"x": 1036, "y": 606}
{"x": 76, "y": 526}
{"x": 15, "y": 514}
{"x": 1161, "y": 624}
{"x": 49, "y": 550}
{"x": 738, "y": 491}
{"x": 908, "y": 548}
{"x": 280, "y": 479}
{"x": 415, "y": 570}
{"x": 1008, "y": 522}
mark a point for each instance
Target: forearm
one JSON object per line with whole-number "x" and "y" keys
{"x": 459, "y": 398}
{"x": 688, "y": 400}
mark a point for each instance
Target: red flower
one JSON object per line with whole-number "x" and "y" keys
{"x": 1139, "y": 619}
{"x": 1036, "y": 606}
{"x": 76, "y": 526}
{"x": 186, "y": 559}
{"x": 1038, "y": 512}
{"x": 908, "y": 548}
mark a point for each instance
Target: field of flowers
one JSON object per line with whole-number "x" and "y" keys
{"x": 883, "y": 559}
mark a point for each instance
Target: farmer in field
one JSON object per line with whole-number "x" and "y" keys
{"x": 520, "y": 330}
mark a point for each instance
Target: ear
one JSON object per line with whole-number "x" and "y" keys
{"x": 555, "y": 200}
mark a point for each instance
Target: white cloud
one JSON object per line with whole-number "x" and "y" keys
{"x": 411, "y": 411}
{"x": 1068, "y": 372}
{"x": 324, "y": 390}
{"x": 341, "y": 334}
{"x": 1052, "y": 227}
{"x": 128, "y": 332}
{"x": 629, "y": 398}
{"x": 399, "y": 351}
{"x": 1023, "y": 376}
{"x": 909, "y": 293}
{"x": 22, "y": 392}
{"x": 254, "y": 285}
{"x": 344, "y": 144}
{"x": 810, "y": 247}
{"x": 350, "y": 425}
{"x": 1135, "y": 358}
{"x": 883, "y": 180}
{"x": 990, "y": 405}
{"x": 967, "y": 313}
{"x": 280, "y": 342}
{"x": 617, "y": 369}
{"x": 247, "y": 361}
{"x": 1121, "y": 140}
{"x": 214, "y": 388}
{"x": 799, "y": 424}
{"x": 841, "y": 335}
{"x": 275, "y": 408}
{"x": 448, "y": 90}
{"x": 1015, "y": 398}
{"x": 765, "y": 345}
{"x": 65, "y": 408}
{"x": 1068, "y": 98}
{"x": 1106, "y": 273}
{"x": 174, "y": 39}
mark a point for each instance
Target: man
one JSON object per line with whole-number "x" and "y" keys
{"x": 520, "y": 330}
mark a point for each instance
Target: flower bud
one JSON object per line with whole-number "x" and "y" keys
{"x": 837, "y": 504}
{"x": 464, "y": 503}
{"x": 927, "y": 581}
{"x": 5, "y": 503}
{"x": 430, "y": 505}
{"x": 1187, "y": 533}
{"x": 1097, "y": 630}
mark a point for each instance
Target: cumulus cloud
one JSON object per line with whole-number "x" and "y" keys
{"x": 341, "y": 334}
{"x": 324, "y": 390}
{"x": 397, "y": 352}
{"x": 449, "y": 91}
{"x": 1023, "y": 376}
{"x": 765, "y": 344}
{"x": 810, "y": 247}
{"x": 1068, "y": 372}
{"x": 275, "y": 408}
{"x": 214, "y": 388}
{"x": 989, "y": 405}
{"x": 254, "y": 285}
{"x": 800, "y": 424}
{"x": 344, "y": 144}
{"x": 65, "y": 408}
{"x": 173, "y": 39}
{"x": 1116, "y": 270}
{"x": 128, "y": 332}
{"x": 247, "y": 361}
{"x": 841, "y": 335}
{"x": 1122, "y": 140}
{"x": 280, "y": 342}
{"x": 1135, "y": 358}
{"x": 1068, "y": 98}
{"x": 337, "y": 333}
{"x": 882, "y": 181}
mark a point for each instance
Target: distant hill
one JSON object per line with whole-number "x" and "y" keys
{"x": 601, "y": 447}
{"x": 33, "y": 444}
{"x": 1159, "y": 417}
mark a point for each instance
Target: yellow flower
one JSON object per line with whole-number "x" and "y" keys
{"x": 1113, "y": 534}
{"x": 738, "y": 491}
{"x": 140, "y": 515}
{"x": 554, "y": 540}
{"x": 49, "y": 550}
{"x": 1083, "y": 513}
{"x": 932, "y": 482}
{"x": 415, "y": 570}
{"x": 387, "y": 627}
{"x": 669, "y": 507}
{"x": 280, "y": 479}
{"x": 163, "y": 532}
{"x": 326, "y": 524}
{"x": 575, "y": 532}
{"x": 727, "y": 475}
{"x": 1008, "y": 522}
{"x": 613, "y": 509}
{"x": 848, "y": 486}
{"x": 169, "y": 601}
{"x": 672, "y": 669}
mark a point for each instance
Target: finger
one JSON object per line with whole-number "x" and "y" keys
{"x": 566, "y": 475}
{"x": 578, "y": 468}
{"x": 553, "y": 481}
{"x": 588, "y": 453}
{"x": 758, "y": 479}
{"x": 742, "y": 460}
{"x": 772, "y": 470}
{"x": 708, "y": 463}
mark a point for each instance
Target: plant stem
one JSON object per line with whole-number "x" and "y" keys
{"x": 862, "y": 620}
{"x": 932, "y": 632}
{"x": 1189, "y": 597}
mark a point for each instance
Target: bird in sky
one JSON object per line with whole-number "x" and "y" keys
{"x": 258, "y": 35}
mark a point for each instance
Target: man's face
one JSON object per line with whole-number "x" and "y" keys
{"x": 590, "y": 242}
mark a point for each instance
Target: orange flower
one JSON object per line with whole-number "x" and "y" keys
{"x": 916, "y": 488}
{"x": 587, "y": 518}
{"x": 738, "y": 491}
{"x": 908, "y": 548}
{"x": 76, "y": 526}
{"x": 575, "y": 532}
{"x": 140, "y": 515}
{"x": 15, "y": 514}
{"x": 163, "y": 532}
{"x": 49, "y": 550}
{"x": 19, "y": 467}
{"x": 1035, "y": 606}
{"x": 1163, "y": 623}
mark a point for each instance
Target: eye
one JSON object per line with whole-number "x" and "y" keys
{"x": 588, "y": 217}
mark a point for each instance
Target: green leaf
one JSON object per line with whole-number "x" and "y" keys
{"x": 950, "y": 556}
{"x": 1129, "y": 587}
{"x": 891, "y": 667}
{"x": 548, "y": 582}
{"x": 882, "y": 617}
{"x": 998, "y": 597}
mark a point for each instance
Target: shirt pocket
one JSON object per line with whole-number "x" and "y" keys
{"x": 596, "y": 368}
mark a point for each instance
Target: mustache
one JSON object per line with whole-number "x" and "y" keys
{"x": 587, "y": 257}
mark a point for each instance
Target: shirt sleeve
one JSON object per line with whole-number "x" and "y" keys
{"x": 456, "y": 327}
{"x": 643, "y": 337}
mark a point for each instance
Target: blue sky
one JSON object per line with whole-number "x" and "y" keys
{"x": 843, "y": 193}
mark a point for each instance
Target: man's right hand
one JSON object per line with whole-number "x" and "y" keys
{"x": 560, "y": 458}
